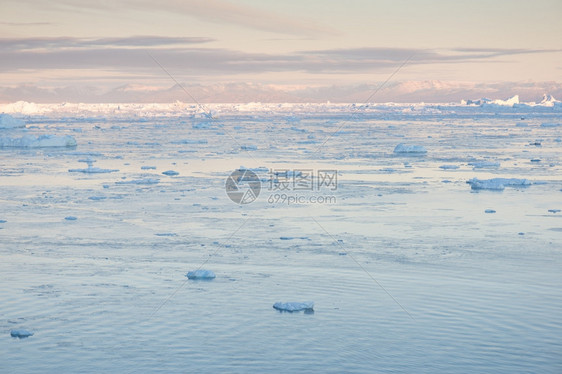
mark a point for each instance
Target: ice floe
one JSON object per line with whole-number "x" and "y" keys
{"x": 497, "y": 184}
{"x": 170, "y": 172}
{"x": 484, "y": 164}
{"x": 411, "y": 149}
{"x": 9, "y": 122}
{"x": 43, "y": 141}
{"x": 146, "y": 181}
{"x": 21, "y": 333}
{"x": 489, "y": 211}
{"x": 92, "y": 170}
{"x": 201, "y": 274}
{"x": 294, "y": 306}
{"x": 70, "y": 218}
{"x": 449, "y": 167}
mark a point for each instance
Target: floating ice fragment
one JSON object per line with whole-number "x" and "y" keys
{"x": 148, "y": 167}
{"x": 92, "y": 170}
{"x": 413, "y": 149}
{"x": 535, "y": 160}
{"x": 449, "y": 167}
{"x": 146, "y": 181}
{"x": 166, "y": 234}
{"x": 9, "y": 122}
{"x": 554, "y": 210}
{"x": 484, "y": 164}
{"x": 170, "y": 172}
{"x": 294, "y": 306}
{"x": 3, "y": 221}
{"x": 550, "y": 124}
{"x": 70, "y": 218}
{"x": 190, "y": 141}
{"x": 489, "y": 211}
{"x": 249, "y": 148}
{"x": 497, "y": 184}
{"x": 21, "y": 333}
{"x": 201, "y": 274}
{"x": 43, "y": 141}
{"x": 96, "y": 198}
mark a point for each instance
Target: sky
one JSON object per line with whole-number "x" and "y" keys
{"x": 80, "y": 47}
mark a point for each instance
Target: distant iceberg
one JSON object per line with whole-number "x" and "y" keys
{"x": 9, "y": 122}
{"x": 43, "y": 141}
{"x": 497, "y": 184}
{"x": 412, "y": 149}
{"x": 201, "y": 274}
{"x": 294, "y": 306}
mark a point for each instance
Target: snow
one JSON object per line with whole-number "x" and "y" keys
{"x": 9, "y": 122}
{"x": 497, "y": 184}
{"x": 413, "y": 149}
{"x": 43, "y": 141}
{"x": 201, "y": 274}
{"x": 294, "y": 306}
{"x": 21, "y": 333}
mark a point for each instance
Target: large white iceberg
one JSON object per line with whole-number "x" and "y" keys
{"x": 43, "y": 141}
{"x": 294, "y": 306}
{"x": 9, "y": 122}
{"x": 412, "y": 149}
{"x": 497, "y": 184}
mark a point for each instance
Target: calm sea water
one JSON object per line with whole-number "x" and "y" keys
{"x": 407, "y": 271}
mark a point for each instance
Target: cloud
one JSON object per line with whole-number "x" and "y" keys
{"x": 57, "y": 43}
{"x": 407, "y": 91}
{"x": 215, "y": 11}
{"x": 26, "y": 23}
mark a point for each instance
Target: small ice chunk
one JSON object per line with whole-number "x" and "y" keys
{"x": 489, "y": 211}
{"x": 535, "y": 160}
{"x": 201, "y": 274}
{"x": 554, "y": 210}
{"x": 550, "y": 124}
{"x": 3, "y": 221}
{"x": 43, "y": 141}
{"x": 484, "y": 164}
{"x": 170, "y": 172}
{"x": 145, "y": 181}
{"x": 92, "y": 170}
{"x": 414, "y": 149}
{"x": 9, "y": 122}
{"x": 96, "y": 198}
{"x": 497, "y": 184}
{"x": 294, "y": 306}
{"x": 449, "y": 167}
{"x": 146, "y": 167}
{"x": 21, "y": 333}
{"x": 249, "y": 148}
{"x": 70, "y": 218}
